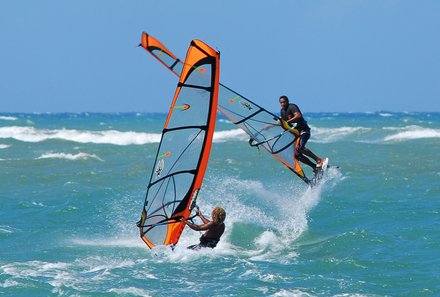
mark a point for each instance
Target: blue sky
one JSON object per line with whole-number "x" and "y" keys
{"x": 341, "y": 56}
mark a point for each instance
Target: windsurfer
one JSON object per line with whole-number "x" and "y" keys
{"x": 214, "y": 229}
{"x": 291, "y": 114}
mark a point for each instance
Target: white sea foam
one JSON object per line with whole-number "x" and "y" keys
{"x": 326, "y": 135}
{"x": 34, "y": 269}
{"x": 268, "y": 246}
{"x": 229, "y": 192}
{"x": 292, "y": 293}
{"x": 9, "y": 283}
{"x": 283, "y": 224}
{"x": 34, "y": 203}
{"x": 73, "y": 157}
{"x": 291, "y": 222}
{"x": 411, "y": 132}
{"x": 128, "y": 242}
{"x": 61, "y": 275}
{"x": 251, "y": 201}
{"x": 6, "y": 229}
{"x": 395, "y": 128}
{"x": 4, "y": 146}
{"x": 235, "y": 134}
{"x": 282, "y": 217}
{"x": 131, "y": 291}
{"x": 8, "y": 118}
{"x": 31, "y": 134}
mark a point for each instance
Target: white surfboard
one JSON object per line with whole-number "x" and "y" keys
{"x": 320, "y": 173}
{"x": 324, "y": 165}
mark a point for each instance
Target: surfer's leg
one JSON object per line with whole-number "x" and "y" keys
{"x": 306, "y": 160}
{"x": 303, "y": 150}
{"x": 309, "y": 153}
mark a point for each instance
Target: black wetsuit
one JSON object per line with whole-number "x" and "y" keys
{"x": 205, "y": 242}
{"x": 289, "y": 112}
{"x": 301, "y": 124}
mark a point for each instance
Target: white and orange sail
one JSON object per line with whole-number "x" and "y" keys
{"x": 184, "y": 149}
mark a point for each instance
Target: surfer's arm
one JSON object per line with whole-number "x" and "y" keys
{"x": 195, "y": 227}
{"x": 296, "y": 116}
{"x": 202, "y": 217}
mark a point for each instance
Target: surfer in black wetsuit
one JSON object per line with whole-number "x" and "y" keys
{"x": 214, "y": 229}
{"x": 290, "y": 113}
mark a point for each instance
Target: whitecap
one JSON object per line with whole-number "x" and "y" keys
{"x": 326, "y": 135}
{"x": 132, "y": 291}
{"x": 4, "y": 146}
{"x": 31, "y": 134}
{"x": 292, "y": 293}
{"x": 10, "y": 283}
{"x": 6, "y": 229}
{"x": 73, "y": 157}
{"x": 268, "y": 246}
{"x": 235, "y": 134}
{"x": 34, "y": 203}
{"x": 412, "y": 132}
{"x": 8, "y": 118}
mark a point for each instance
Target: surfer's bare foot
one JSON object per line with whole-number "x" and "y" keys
{"x": 319, "y": 162}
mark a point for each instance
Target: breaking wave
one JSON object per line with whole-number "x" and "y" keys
{"x": 326, "y": 135}
{"x": 319, "y": 135}
{"x": 31, "y": 134}
{"x": 73, "y": 157}
{"x": 6, "y": 118}
{"x": 411, "y": 132}
{"x": 235, "y": 134}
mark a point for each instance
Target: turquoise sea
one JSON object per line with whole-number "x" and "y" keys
{"x": 72, "y": 187}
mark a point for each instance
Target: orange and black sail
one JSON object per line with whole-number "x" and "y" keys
{"x": 183, "y": 152}
{"x": 261, "y": 125}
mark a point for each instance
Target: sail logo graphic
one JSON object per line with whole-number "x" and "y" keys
{"x": 232, "y": 100}
{"x": 245, "y": 104}
{"x": 183, "y": 107}
{"x": 161, "y": 164}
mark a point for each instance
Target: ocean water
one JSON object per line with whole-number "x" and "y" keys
{"x": 72, "y": 187}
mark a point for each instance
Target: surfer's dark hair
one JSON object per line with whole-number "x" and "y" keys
{"x": 285, "y": 98}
